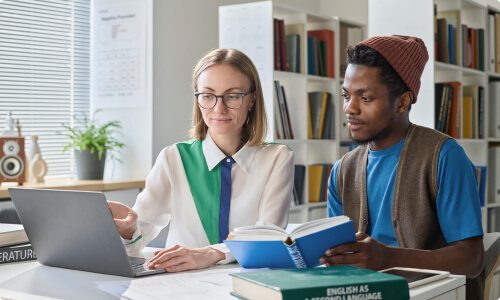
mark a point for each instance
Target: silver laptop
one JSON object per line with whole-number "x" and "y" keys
{"x": 75, "y": 230}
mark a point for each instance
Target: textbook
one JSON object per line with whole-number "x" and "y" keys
{"x": 11, "y": 234}
{"x": 15, "y": 253}
{"x": 270, "y": 246}
{"x": 328, "y": 283}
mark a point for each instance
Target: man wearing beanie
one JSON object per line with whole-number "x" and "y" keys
{"x": 410, "y": 190}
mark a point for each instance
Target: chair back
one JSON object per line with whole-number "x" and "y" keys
{"x": 491, "y": 242}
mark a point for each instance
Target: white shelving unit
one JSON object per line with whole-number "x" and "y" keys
{"x": 388, "y": 17}
{"x": 249, "y": 28}
{"x": 420, "y": 23}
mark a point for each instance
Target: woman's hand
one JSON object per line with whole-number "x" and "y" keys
{"x": 180, "y": 258}
{"x": 125, "y": 219}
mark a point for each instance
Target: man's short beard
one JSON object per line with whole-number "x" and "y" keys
{"x": 378, "y": 136}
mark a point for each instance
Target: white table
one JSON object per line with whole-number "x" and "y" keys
{"x": 31, "y": 280}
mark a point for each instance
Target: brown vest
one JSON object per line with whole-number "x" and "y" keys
{"x": 414, "y": 217}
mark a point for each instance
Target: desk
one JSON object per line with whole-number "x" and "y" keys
{"x": 31, "y": 280}
{"x": 74, "y": 184}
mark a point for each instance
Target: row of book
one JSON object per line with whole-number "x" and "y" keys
{"x": 321, "y": 112}
{"x": 318, "y": 182}
{"x": 460, "y": 117}
{"x": 282, "y": 121}
{"x": 318, "y": 175}
{"x": 288, "y": 49}
{"x": 457, "y": 43}
{"x": 320, "y": 53}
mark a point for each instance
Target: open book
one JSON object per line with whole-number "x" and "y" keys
{"x": 269, "y": 246}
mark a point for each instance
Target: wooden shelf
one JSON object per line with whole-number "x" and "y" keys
{"x": 74, "y": 184}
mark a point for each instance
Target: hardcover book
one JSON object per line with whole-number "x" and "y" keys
{"x": 270, "y": 246}
{"x": 337, "y": 282}
{"x": 15, "y": 253}
{"x": 11, "y": 234}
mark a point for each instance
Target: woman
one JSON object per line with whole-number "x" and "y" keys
{"x": 226, "y": 177}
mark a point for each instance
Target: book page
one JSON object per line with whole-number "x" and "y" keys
{"x": 213, "y": 283}
{"x": 317, "y": 225}
{"x": 260, "y": 231}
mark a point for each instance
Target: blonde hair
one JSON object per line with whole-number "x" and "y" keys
{"x": 254, "y": 131}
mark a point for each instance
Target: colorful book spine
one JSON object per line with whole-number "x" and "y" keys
{"x": 16, "y": 253}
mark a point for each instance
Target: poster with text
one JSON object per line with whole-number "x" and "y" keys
{"x": 119, "y": 54}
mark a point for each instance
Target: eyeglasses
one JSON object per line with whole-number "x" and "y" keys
{"x": 230, "y": 100}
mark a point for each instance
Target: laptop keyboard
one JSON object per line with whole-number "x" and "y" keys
{"x": 138, "y": 267}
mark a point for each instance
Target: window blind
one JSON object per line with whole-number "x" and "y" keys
{"x": 44, "y": 71}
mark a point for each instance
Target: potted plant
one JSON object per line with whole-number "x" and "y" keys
{"x": 92, "y": 142}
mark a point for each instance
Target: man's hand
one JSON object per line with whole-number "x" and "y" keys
{"x": 179, "y": 258}
{"x": 365, "y": 253}
{"x": 125, "y": 219}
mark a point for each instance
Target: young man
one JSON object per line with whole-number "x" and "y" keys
{"x": 410, "y": 191}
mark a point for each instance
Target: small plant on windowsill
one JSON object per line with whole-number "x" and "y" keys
{"x": 92, "y": 142}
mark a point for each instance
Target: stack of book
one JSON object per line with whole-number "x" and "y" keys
{"x": 14, "y": 244}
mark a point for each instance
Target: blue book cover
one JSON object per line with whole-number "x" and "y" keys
{"x": 311, "y": 56}
{"x": 262, "y": 248}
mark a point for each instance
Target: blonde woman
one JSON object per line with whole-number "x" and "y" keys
{"x": 225, "y": 177}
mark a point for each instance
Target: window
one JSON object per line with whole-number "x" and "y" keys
{"x": 45, "y": 71}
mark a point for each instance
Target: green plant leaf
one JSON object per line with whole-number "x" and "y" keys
{"x": 88, "y": 134}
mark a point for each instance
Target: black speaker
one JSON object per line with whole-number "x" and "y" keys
{"x": 12, "y": 160}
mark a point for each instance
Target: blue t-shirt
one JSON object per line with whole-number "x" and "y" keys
{"x": 458, "y": 207}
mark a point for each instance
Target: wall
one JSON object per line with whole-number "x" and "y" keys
{"x": 183, "y": 32}
{"x": 352, "y": 10}
{"x": 379, "y": 23}
{"x": 137, "y": 122}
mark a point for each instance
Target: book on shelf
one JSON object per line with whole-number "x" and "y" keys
{"x": 293, "y": 49}
{"x": 337, "y": 282}
{"x": 494, "y": 122}
{"x": 298, "y": 184}
{"x": 473, "y": 112}
{"x": 11, "y": 234}
{"x": 491, "y": 37}
{"x": 295, "y": 34}
{"x": 270, "y": 246}
{"x": 16, "y": 253}
{"x": 318, "y": 181}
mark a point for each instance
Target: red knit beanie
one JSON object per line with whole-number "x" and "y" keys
{"x": 406, "y": 54}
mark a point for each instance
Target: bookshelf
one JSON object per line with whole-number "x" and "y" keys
{"x": 422, "y": 22}
{"x": 249, "y": 27}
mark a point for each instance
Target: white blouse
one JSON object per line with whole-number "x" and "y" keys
{"x": 262, "y": 186}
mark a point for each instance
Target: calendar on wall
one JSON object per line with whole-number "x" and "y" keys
{"x": 119, "y": 54}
